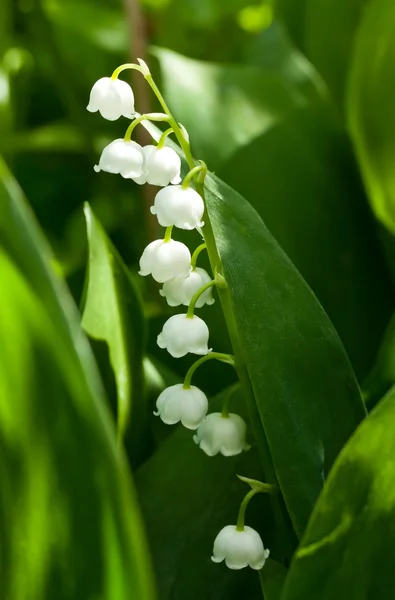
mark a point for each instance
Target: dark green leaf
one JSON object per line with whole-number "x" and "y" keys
{"x": 69, "y": 524}
{"x": 186, "y": 498}
{"x": 348, "y": 551}
{"x": 370, "y": 106}
{"x": 113, "y": 314}
{"x": 324, "y": 30}
{"x": 304, "y": 387}
{"x": 272, "y": 579}
{"x": 226, "y": 106}
{"x": 310, "y": 197}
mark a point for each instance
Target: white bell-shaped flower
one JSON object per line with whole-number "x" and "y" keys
{"x": 165, "y": 260}
{"x": 182, "y": 334}
{"x": 177, "y": 403}
{"x": 239, "y": 549}
{"x": 162, "y": 166}
{"x": 182, "y": 289}
{"x": 224, "y": 434}
{"x": 123, "y": 157}
{"x": 182, "y": 207}
{"x": 113, "y": 98}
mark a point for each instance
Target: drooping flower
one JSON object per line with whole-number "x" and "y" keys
{"x": 182, "y": 289}
{"x": 182, "y": 207}
{"x": 182, "y": 334}
{"x": 162, "y": 166}
{"x": 224, "y": 434}
{"x": 123, "y": 157}
{"x": 177, "y": 403}
{"x": 165, "y": 260}
{"x": 113, "y": 98}
{"x": 239, "y": 549}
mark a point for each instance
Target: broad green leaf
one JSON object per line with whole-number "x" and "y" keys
{"x": 382, "y": 376}
{"x": 272, "y": 579}
{"x": 70, "y": 526}
{"x": 306, "y": 395}
{"x": 224, "y": 107}
{"x": 370, "y": 107}
{"x": 324, "y": 30}
{"x": 320, "y": 216}
{"x": 186, "y": 499}
{"x": 113, "y": 314}
{"x": 348, "y": 549}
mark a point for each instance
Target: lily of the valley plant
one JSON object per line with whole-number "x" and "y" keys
{"x": 180, "y": 204}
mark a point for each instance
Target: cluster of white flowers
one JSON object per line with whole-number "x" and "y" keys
{"x": 170, "y": 263}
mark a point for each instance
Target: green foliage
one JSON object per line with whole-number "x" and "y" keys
{"x": 304, "y": 388}
{"x": 347, "y": 551}
{"x": 370, "y": 111}
{"x": 70, "y": 525}
{"x": 113, "y": 314}
{"x": 183, "y": 514}
{"x": 325, "y": 31}
{"x": 275, "y": 95}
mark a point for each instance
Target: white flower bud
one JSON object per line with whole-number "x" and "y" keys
{"x": 226, "y": 435}
{"x": 161, "y": 166}
{"x": 182, "y": 289}
{"x": 181, "y": 334}
{"x": 113, "y": 98}
{"x": 188, "y": 405}
{"x": 123, "y": 157}
{"x": 165, "y": 260}
{"x": 239, "y": 549}
{"x": 177, "y": 206}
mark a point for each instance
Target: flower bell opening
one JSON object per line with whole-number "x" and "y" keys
{"x": 175, "y": 205}
{"x": 122, "y": 157}
{"x": 181, "y": 335}
{"x": 113, "y": 98}
{"x": 177, "y": 403}
{"x": 182, "y": 289}
{"x": 239, "y": 549}
{"x": 219, "y": 434}
{"x": 165, "y": 260}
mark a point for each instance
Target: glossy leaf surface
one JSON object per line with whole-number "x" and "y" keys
{"x": 348, "y": 549}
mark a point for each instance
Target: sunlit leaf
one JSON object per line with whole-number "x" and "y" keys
{"x": 348, "y": 549}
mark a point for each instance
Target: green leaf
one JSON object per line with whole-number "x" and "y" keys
{"x": 305, "y": 391}
{"x": 186, "y": 499}
{"x": 370, "y": 107}
{"x": 348, "y": 549}
{"x": 320, "y": 216}
{"x": 224, "y": 107}
{"x": 272, "y": 578}
{"x": 113, "y": 314}
{"x": 319, "y": 25}
{"x": 69, "y": 523}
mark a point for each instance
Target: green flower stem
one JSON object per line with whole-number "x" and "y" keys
{"x": 127, "y": 66}
{"x": 195, "y": 255}
{"x": 229, "y": 395}
{"x": 196, "y": 297}
{"x": 285, "y": 532}
{"x": 168, "y": 231}
{"x": 172, "y": 122}
{"x": 226, "y": 358}
{"x": 199, "y": 169}
{"x": 242, "y": 510}
{"x": 163, "y": 137}
{"x": 148, "y": 117}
